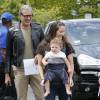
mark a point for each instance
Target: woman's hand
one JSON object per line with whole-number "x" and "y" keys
{"x": 71, "y": 82}
{"x": 7, "y": 80}
{"x": 46, "y": 63}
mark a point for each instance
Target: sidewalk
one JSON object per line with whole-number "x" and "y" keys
{"x": 30, "y": 95}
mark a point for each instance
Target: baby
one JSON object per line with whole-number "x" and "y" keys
{"x": 56, "y": 61}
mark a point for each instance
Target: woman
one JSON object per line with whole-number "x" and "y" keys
{"x": 57, "y": 29}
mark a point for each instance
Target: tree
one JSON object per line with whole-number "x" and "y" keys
{"x": 47, "y": 10}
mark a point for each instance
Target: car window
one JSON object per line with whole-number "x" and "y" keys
{"x": 81, "y": 32}
{"x": 84, "y": 32}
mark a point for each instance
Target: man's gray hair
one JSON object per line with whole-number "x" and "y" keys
{"x": 25, "y": 7}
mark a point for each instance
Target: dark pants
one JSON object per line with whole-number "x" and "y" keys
{"x": 2, "y": 77}
{"x": 57, "y": 89}
{"x": 3, "y": 87}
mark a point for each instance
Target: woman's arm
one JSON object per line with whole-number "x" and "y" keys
{"x": 39, "y": 56}
{"x": 69, "y": 53}
{"x": 68, "y": 65}
{"x": 70, "y": 59}
{"x": 40, "y": 65}
{"x": 42, "y": 48}
{"x": 44, "y": 62}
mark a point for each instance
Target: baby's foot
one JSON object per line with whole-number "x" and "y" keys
{"x": 68, "y": 92}
{"x": 46, "y": 93}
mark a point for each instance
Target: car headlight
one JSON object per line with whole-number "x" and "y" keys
{"x": 84, "y": 59}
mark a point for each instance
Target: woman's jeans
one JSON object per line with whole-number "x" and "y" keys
{"x": 57, "y": 90}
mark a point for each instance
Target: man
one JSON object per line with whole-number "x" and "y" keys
{"x": 22, "y": 43}
{"x": 6, "y": 19}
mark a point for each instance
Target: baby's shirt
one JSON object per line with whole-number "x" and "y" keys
{"x": 51, "y": 57}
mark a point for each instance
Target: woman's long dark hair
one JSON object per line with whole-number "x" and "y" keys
{"x": 44, "y": 45}
{"x": 53, "y": 30}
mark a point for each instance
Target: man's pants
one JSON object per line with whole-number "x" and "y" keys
{"x": 22, "y": 82}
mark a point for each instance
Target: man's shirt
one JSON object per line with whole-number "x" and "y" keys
{"x": 3, "y": 36}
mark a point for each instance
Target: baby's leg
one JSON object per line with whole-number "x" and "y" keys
{"x": 68, "y": 89}
{"x": 47, "y": 88}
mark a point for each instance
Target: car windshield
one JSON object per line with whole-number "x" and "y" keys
{"x": 84, "y": 32}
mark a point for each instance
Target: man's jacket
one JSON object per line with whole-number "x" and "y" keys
{"x": 16, "y": 44}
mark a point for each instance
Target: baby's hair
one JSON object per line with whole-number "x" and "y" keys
{"x": 56, "y": 41}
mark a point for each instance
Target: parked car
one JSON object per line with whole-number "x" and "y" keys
{"x": 84, "y": 35}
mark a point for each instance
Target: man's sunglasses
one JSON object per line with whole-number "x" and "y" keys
{"x": 26, "y": 16}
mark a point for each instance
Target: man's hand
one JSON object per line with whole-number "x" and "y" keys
{"x": 7, "y": 79}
